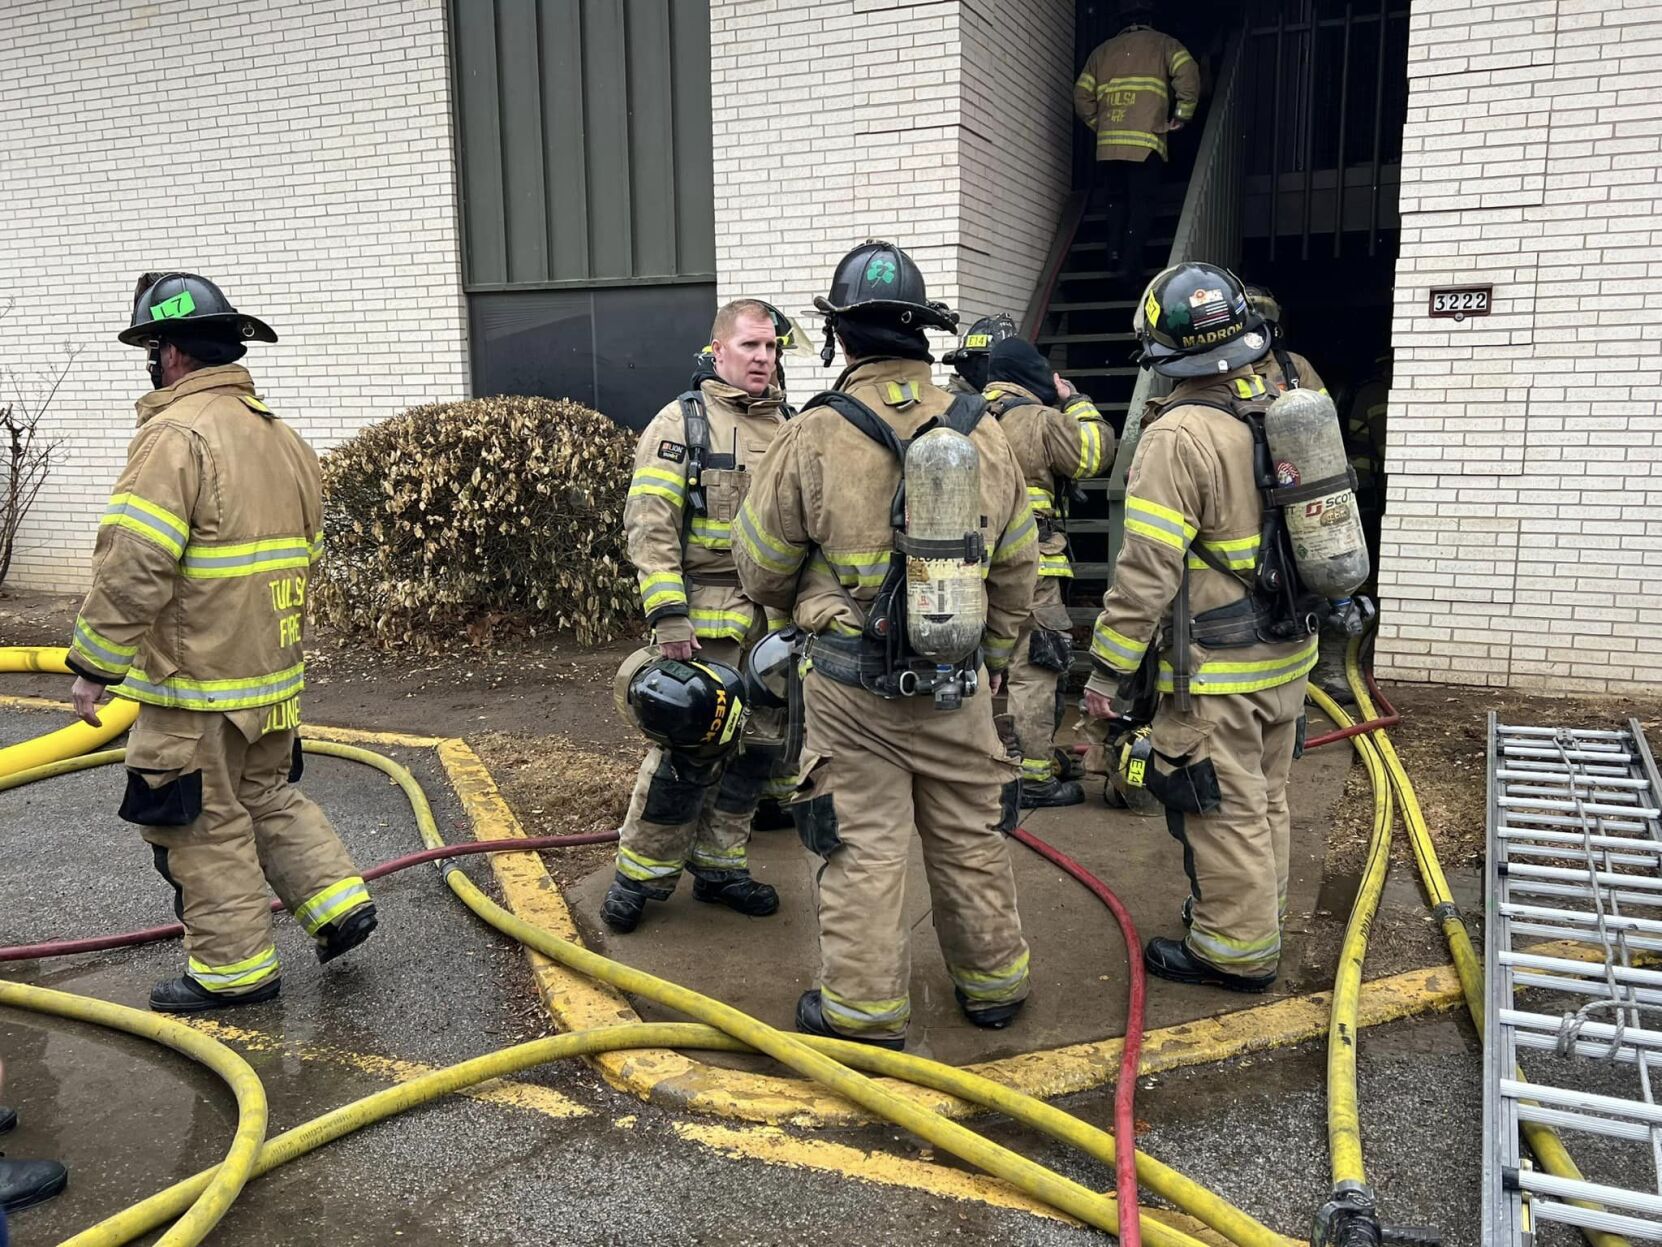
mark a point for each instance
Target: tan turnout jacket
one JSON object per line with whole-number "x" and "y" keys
{"x": 204, "y": 555}
{"x": 822, "y": 500}
{"x": 1131, "y": 88}
{"x": 1191, "y": 480}
{"x": 1050, "y": 444}
{"x": 696, "y": 592}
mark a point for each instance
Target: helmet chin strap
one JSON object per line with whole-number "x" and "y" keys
{"x": 153, "y": 363}
{"x": 829, "y": 351}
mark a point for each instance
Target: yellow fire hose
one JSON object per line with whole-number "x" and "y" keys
{"x": 211, "y": 1198}
{"x": 1543, "y": 1140}
{"x": 734, "y": 1031}
{"x": 68, "y": 742}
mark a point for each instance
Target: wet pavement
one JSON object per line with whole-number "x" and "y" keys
{"x": 566, "y": 1160}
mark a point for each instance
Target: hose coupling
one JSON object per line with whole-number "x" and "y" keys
{"x": 1350, "y": 1219}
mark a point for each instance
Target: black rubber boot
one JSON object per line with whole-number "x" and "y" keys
{"x": 343, "y": 936}
{"x": 810, "y": 1020}
{"x": 25, "y": 1183}
{"x": 1051, "y": 793}
{"x": 624, "y": 904}
{"x": 8, "y": 1118}
{"x": 736, "y": 890}
{"x": 185, "y": 995}
{"x": 771, "y": 816}
{"x": 1171, "y": 959}
{"x": 988, "y": 1017}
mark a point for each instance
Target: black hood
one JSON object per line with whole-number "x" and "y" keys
{"x": 1018, "y": 361}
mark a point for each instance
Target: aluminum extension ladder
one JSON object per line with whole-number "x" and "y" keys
{"x": 1574, "y": 854}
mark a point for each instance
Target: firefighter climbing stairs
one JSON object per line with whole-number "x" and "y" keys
{"x": 1575, "y": 856}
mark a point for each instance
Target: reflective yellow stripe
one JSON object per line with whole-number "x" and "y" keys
{"x": 329, "y": 904}
{"x": 773, "y": 553}
{"x": 1133, "y": 83}
{"x": 1131, "y": 138}
{"x": 1185, "y": 110}
{"x": 138, "y": 515}
{"x": 1158, "y": 523}
{"x": 249, "y": 558}
{"x": 997, "y": 649}
{"x": 711, "y": 534}
{"x": 1038, "y": 769}
{"x": 662, "y": 589}
{"x": 1239, "y": 553}
{"x": 1055, "y": 565}
{"x": 1041, "y": 499}
{"x": 1249, "y": 386}
{"x": 317, "y": 547}
{"x": 643, "y": 869}
{"x": 993, "y": 987}
{"x": 865, "y": 1016}
{"x": 246, "y": 973}
{"x": 1087, "y": 82}
{"x": 735, "y": 625}
{"x": 711, "y": 857}
{"x": 234, "y": 694}
{"x": 652, "y": 482}
{"x": 1228, "y": 953}
{"x": 1090, "y": 449}
{"x": 1115, "y": 648}
{"x": 1022, "y": 531}
{"x": 1221, "y": 676}
{"x": 97, "y": 650}
{"x": 1181, "y": 58}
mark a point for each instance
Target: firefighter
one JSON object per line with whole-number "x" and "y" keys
{"x": 1135, "y": 89}
{"x": 197, "y": 612}
{"x": 895, "y": 742}
{"x": 1282, "y": 368}
{"x": 1059, "y": 437}
{"x": 693, "y": 465}
{"x": 1229, "y": 711}
{"x": 969, "y": 359}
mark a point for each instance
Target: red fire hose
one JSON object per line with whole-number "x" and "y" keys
{"x": 1125, "y": 1088}
{"x": 151, "y": 935}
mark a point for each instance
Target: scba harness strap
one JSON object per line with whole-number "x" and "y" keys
{"x": 881, "y": 660}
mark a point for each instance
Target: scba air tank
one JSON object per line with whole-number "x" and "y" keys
{"x": 946, "y": 601}
{"x": 1302, "y": 429}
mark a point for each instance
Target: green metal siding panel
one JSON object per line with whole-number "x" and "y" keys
{"x": 584, "y": 135}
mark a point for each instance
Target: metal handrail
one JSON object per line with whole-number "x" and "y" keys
{"x": 1209, "y": 229}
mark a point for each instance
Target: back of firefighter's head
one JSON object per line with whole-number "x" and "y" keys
{"x": 744, "y": 342}
{"x": 1262, "y": 300}
{"x": 970, "y": 357}
{"x": 1194, "y": 321}
{"x": 1019, "y": 362}
{"x": 694, "y": 708}
{"x": 878, "y": 306}
{"x": 1136, "y": 13}
{"x": 185, "y": 322}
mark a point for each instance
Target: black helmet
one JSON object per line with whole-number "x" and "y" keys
{"x": 982, "y": 337}
{"x": 768, "y": 667}
{"x": 879, "y": 280}
{"x": 694, "y": 708}
{"x": 1194, "y": 321}
{"x": 192, "y": 304}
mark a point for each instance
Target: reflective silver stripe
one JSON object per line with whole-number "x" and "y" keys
{"x": 105, "y": 657}
{"x": 178, "y": 695}
{"x": 855, "y": 1016}
{"x": 204, "y": 557}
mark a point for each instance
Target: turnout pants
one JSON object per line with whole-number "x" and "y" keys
{"x": 875, "y": 772}
{"x": 684, "y": 813}
{"x": 1128, "y": 190}
{"x": 1232, "y": 752}
{"x": 1033, "y": 683}
{"x": 213, "y": 795}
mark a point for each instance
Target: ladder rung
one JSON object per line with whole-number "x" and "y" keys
{"x": 1522, "y": 870}
{"x": 1593, "y": 1219}
{"x": 1615, "y": 1106}
{"x": 1580, "y": 987}
{"x": 1645, "y": 942}
{"x": 1595, "y": 1192}
{"x": 1559, "y": 1118}
{"x": 1633, "y": 1036}
{"x": 1546, "y": 913}
{"x": 1578, "y": 733}
{"x": 1517, "y": 835}
{"x": 1563, "y": 965}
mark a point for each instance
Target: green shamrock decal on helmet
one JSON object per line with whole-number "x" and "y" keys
{"x": 881, "y": 269}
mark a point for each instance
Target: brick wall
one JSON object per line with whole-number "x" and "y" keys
{"x": 898, "y": 137}
{"x": 1525, "y": 448}
{"x": 298, "y": 153}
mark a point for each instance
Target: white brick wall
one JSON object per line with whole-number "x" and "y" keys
{"x": 908, "y": 133}
{"x": 1525, "y": 454}
{"x": 298, "y": 153}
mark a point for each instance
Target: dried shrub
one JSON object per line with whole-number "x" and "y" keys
{"x": 488, "y": 510}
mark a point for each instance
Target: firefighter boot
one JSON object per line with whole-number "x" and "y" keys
{"x": 345, "y": 934}
{"x": 624, "y": 904}
{"x": 25, "y": 1183}
{"x": 810, "y": 1020}
{"x": 1051, "y": 792}
{"x": 736, "y": 890}
{"x": 988, "y": 1017}
{"x": 185, "y": 995}
{"x": 8, "y": 1118}
{"x": 1171, "y": 959}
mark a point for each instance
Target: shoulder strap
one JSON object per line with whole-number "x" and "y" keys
{"x": 861, "y": 417}
{"x": 1006, "y": 403}
{"x": 965, "y": 413}
{"x": 1288, "y": 371}
{"x": 695, "y": 420}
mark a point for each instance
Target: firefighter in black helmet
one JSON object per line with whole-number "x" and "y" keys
{"x": 1229, "y": 705}
{"x": 969, "y": 358}
{"x": 883, "y": 758}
